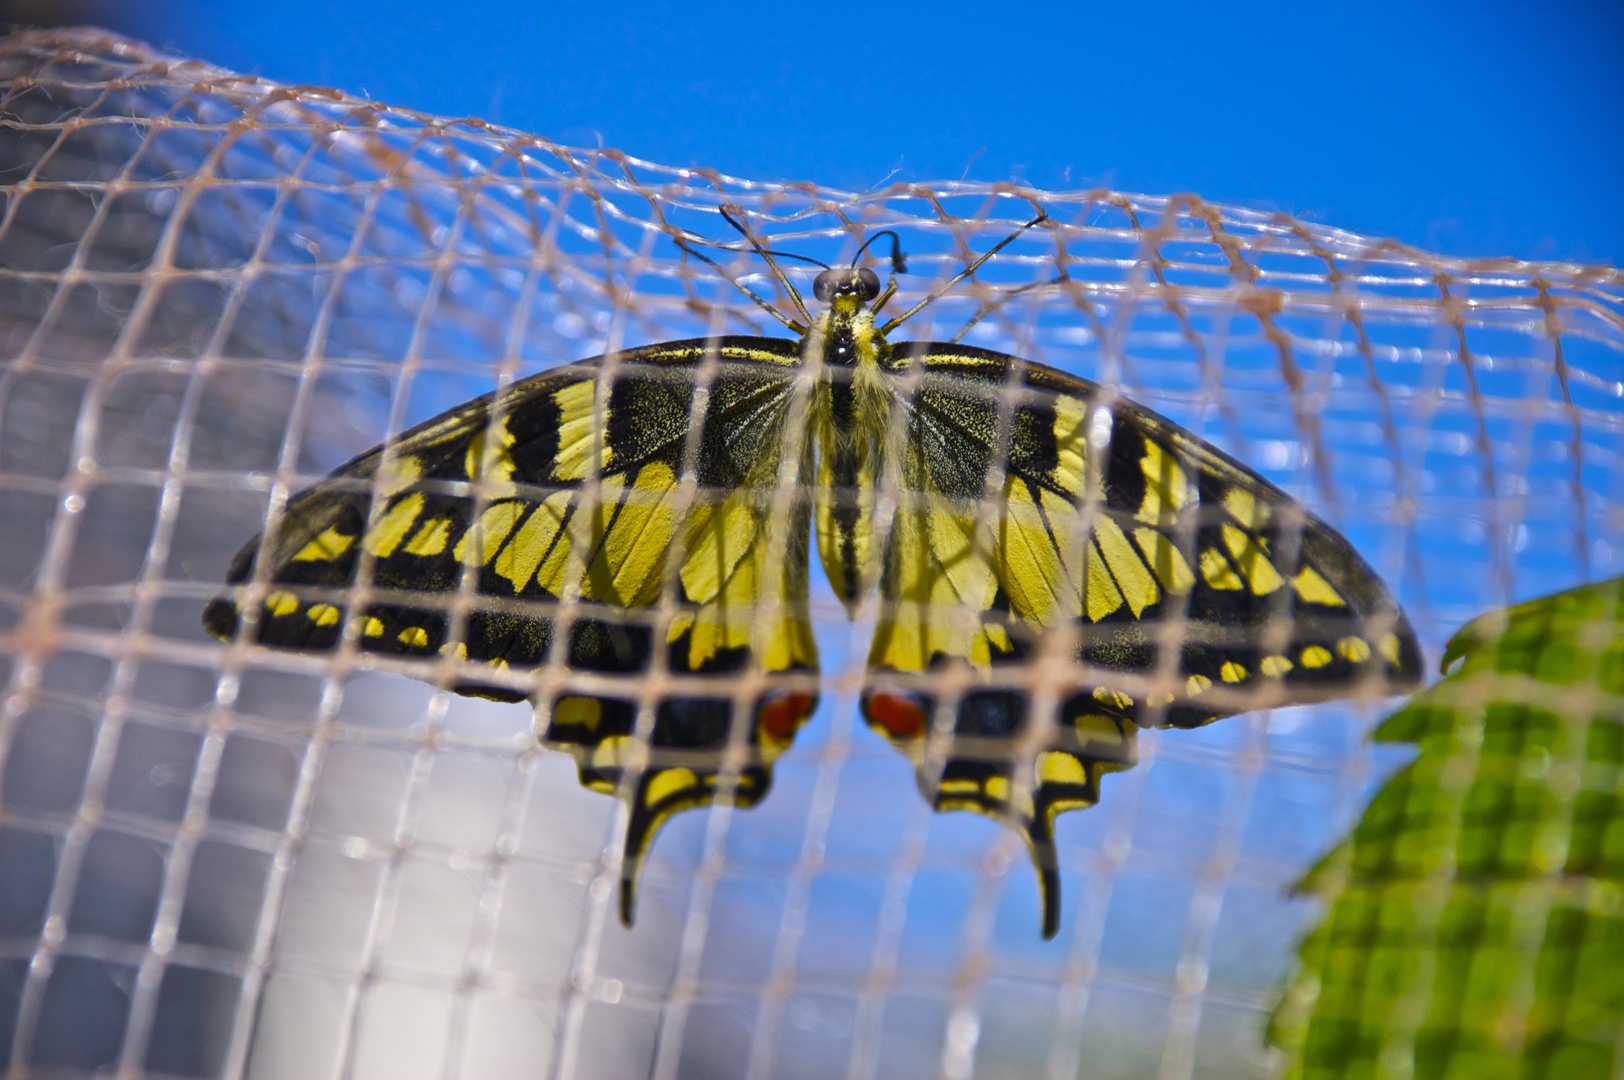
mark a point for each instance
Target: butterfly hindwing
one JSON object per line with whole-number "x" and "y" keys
{"x": 569, "y": 499}
{"x": 1036, "y": 514}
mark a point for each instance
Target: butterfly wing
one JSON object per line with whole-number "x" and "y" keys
{"x": 571, "y": 523}
{"x": 1069, "y": 544}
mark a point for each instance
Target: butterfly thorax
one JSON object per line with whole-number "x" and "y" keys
{"x": 853, "y": 423}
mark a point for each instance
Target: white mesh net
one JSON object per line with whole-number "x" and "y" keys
{"x": 214, "y": 289}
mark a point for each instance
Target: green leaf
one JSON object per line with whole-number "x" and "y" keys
{"x": 1475, "y": 919}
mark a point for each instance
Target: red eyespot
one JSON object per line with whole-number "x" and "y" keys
{"x": 781, "y": 714}
{"x": 901, "y": 714}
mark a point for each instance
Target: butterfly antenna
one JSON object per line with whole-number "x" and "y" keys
{"x": 899, "y": 261}
{"x": 937, "y": 293}
{"x": 797, "y": 327}
{"x": 769, "y": 256}
{"x": 989, "y": 309}
{"x": 899, "y": 265}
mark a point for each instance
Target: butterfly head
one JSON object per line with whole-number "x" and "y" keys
{"x": 844, "y": 333}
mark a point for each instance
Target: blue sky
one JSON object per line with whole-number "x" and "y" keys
{"x": 1473, "y": 127}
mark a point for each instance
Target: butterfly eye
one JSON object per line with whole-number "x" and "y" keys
{"x": 831, "y": 283}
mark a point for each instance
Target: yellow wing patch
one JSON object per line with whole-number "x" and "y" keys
{"x": 495, "y": 525}
{"x": 1252, "y": 561}
{"x": 1128, "y": 570}
{"x": 330, "y": 545}
{"x": 632, "y": 534}
{"x": 430, "y": 538}
{"x": 1165, "y": 560}
{"x": 1216, "y": 571}
{"x": 384, "y": 537}
{"x": 577, "y": 436}
{"x": 742, "y": 595}
{"x": 491, "y": 460}
{"x": 1313, "y": 587}
{"x": 1167, "y": 486}
{"x": 939, "y": 584}
{"x": 1039, "y": 557}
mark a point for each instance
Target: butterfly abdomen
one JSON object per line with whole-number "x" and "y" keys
{"x": 853, "y": 423}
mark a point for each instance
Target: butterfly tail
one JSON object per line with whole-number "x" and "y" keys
{"x": 1066, "y": 780}
{"x": 1038, "y": 832}
{"x": 664, "y": 792}
{"x": 658, "y": 795}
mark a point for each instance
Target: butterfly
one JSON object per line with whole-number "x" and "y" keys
{"x": 628, "y": 540}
